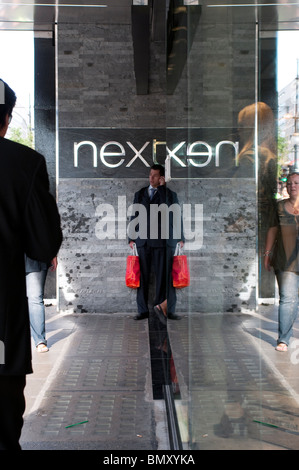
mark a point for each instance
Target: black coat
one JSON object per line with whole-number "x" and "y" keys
{"x": 29, "y": 224}
{"x": 170, "y": 219}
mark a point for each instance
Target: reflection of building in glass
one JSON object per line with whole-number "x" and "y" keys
{"x": 287, "y": 117}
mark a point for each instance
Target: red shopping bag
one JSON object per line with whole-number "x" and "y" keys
{"x": 133, "y": 270}
{"x": 180, "y": 270}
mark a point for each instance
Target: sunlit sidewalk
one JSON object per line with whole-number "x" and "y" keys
{"x": 93, "y": 389}
{"x": 237, "y": 391}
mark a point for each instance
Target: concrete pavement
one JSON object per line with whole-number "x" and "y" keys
{"x": 233, "y": 390}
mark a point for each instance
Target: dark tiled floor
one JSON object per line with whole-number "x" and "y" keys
{"x": 237, "y": 392}
{"x": 233, "y": 390}
{"x": 97, "y": 372}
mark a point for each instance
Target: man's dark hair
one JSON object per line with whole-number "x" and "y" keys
{"x": 9, "y": 102}
{"x": 159, "y": 167}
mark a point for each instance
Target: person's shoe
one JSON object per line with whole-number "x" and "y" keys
{"x": 173, "y": 316}
{"x": 282, "y": 347}
{"x": 42, "y": 348}
{"x": 141, "y": 316}
{"x": 159, "y": 312}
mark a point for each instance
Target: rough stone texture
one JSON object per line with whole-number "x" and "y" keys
{"x": 97, "y": 89}
{"x": 92, "y": 270}
{"x": 97, "y": 82}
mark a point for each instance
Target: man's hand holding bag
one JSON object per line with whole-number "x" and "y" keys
{"x": 133, "y": 270}
{"x": 180, "y": 269}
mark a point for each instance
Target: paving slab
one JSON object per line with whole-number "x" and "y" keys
{"x": 232, "y": 391}
{"x": 97, "y": 373}
{"x": 236, "y": 391}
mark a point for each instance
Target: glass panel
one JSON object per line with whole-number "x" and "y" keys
{"x": 223, "y": 119}
{"x": 217, "y": 81}
{"x": 226, "y": 108}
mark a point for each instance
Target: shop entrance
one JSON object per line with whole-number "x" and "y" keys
{"x": 278, "y": 87}
{"x": 28, "y": 66}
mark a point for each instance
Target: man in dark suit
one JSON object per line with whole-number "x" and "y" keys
{"x": 30, "y": 224}
{"x": 160, "y": 229}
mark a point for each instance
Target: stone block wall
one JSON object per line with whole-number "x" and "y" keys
{"x": 92, "y": 270}
{"x": 96, "y": 86}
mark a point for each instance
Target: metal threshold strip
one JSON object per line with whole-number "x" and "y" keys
{"x": 172, "y": 421}
{"x": 164, "y": 378}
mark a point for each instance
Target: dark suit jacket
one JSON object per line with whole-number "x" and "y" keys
{"x": 163, "y": 195}
{"x": 30, "y": 224}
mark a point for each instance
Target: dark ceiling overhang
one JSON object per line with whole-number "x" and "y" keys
{"x": 169, "y": 21}
{"x": 42, "y": 14}
{"x": 182, "y": 22}
{"x": 161, "y": 20}
{"x": 141, "y": 46}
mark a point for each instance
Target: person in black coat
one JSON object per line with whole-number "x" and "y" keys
{"x": 30, "y": 224}
{"x": 157, "y": 233}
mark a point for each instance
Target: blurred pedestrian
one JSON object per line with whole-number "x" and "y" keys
{"x": 282, "y": 252}
{"x": 30, "y": 224}
{"x": 36, "y": 275}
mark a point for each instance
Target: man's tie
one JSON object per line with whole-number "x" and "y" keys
{"x": 152, "y": 192}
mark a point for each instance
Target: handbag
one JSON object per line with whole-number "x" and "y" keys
{"x": 180, "y": 269}
{"x": 133, "y": 270}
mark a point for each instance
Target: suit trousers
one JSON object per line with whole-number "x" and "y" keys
{"x": 158, "y": 259}
{"x": 12, "y": 407}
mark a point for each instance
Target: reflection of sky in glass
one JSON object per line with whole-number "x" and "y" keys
{"x": 17, "y": 69}
{"x": 17, "y": 63}
{"x": 288, "y": 52}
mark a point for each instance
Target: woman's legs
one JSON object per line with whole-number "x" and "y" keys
{"x": 35, "y": 283}
{"x": 288, "y": 283}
